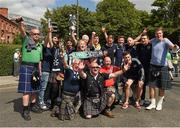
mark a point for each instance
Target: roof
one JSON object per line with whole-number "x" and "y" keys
{"x": 6, "y": 19}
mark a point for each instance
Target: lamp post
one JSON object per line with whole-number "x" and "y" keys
{"x": 77, "y": 18}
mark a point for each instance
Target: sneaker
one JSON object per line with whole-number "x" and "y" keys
{"x": 26, "y": 115}
{"x": 151, "y": 106}
{"x": 159, "y": 107}
{"x": 36, "y": 109}
{"x": 43, "y": 107}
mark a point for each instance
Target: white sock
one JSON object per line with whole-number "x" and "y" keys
{"x": 159, "y": 104}
{"x": 161, "y": 98}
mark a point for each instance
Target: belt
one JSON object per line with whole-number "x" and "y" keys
{"x": 29, "y": 63}
{"x": 69, "y": 93}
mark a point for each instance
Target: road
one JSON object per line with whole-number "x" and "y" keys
{"x": 10, "y": 108}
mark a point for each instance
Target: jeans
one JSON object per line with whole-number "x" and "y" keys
{"x": 43, "y": 85}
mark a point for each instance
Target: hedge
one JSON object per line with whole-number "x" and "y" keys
{"x": 6, "y": 58}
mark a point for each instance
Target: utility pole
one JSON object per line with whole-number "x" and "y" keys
{"x": 77, "y": 18}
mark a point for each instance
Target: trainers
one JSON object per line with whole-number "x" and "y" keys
{"x": 43, "y": 107}
{"x": 159, "y": 107}
{"x": 151, "y": 106}
{"x": 26, "y": 115}
{"x": 36, "y": 109}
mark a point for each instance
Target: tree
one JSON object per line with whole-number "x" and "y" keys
{"x": 61, "y": 16}
{"x": 120, "y": 17}
{"x": 166, "y": 14}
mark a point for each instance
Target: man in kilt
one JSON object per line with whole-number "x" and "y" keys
{"x": 94, "y": 95}
{"x": 71, "y": 89}
{"x": 29, "y": 69}
{"x": 158, "y": 75}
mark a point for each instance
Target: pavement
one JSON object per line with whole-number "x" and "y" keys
{"x": 8, "y": 82}
{"x": 11, "y": 108}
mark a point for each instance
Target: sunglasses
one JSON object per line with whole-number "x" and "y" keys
{"x": 95, "y": 67}
{"x": 35, "y": 34}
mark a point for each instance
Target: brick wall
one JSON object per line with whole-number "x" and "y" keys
{"x": 8, "y": 29}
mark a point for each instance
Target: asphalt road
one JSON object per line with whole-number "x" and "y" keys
{"x": 10, "y": 108}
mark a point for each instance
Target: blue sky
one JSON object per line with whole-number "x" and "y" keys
{"x": 91, "y": 4}
{"x": 36, "y": 8}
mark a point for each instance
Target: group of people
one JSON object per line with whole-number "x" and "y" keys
{"x": 91, "y": 85}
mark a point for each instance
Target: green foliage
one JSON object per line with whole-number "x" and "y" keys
{"x": 120, "y": 17}
{"x": 166, "y": 15}
{"x": 17, "y": 39}
{"x": 6, "y": 61}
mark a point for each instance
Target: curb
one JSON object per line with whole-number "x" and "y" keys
{"x": 8, "y": 86}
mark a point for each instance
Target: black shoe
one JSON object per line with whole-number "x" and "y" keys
{"x": 36, "y": 109}
{"x": 26, "y": 115}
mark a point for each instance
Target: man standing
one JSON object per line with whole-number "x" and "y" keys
{"x": 31, "y": 57}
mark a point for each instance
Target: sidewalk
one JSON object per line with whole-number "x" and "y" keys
{"x": 8, "y": 81}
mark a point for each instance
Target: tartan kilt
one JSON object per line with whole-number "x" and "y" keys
{"x": 67, "y": 109}
{"x": 163, "y": 80}
{"x": 90, "y": 108}
{"x": 25, "y": 80}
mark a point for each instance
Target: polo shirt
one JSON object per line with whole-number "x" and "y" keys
{"x": 35, "y": 55}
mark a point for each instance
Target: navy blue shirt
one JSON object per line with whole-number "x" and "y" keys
{"x": 119, "y": 55}
{"x": 132, "y": 50}
{"x": 71, "y": 81}
{"x": 144, "y": 55}
{"x": 111, "y": 52}
{"x": 47, "y": 59}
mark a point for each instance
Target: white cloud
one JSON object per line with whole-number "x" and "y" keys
{"x": 30, "y": 8}
{"x": 143, "y": 4}
{"x": 96, "y": 1}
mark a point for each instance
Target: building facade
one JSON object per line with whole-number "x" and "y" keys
{"x": 8, "y": 28}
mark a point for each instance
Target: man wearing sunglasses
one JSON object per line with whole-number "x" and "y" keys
{"x": 31, "y": 57}
{"x": 93, "y": 88}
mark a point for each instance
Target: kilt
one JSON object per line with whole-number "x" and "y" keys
{"x": 159, "y": 77}
{"x": 25, "y": 78}
{"x": 90, "y": 108}
{"x": 67, "y": 109}
{"x": 109, "y": 91}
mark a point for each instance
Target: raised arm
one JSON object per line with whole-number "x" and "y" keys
{"x": 75, "y": 42}
{"x": 105, "y": 33}
{"x": 48, "y": 39}
{"x": 139, "y": 37}
{"x": 21, "y": 25}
